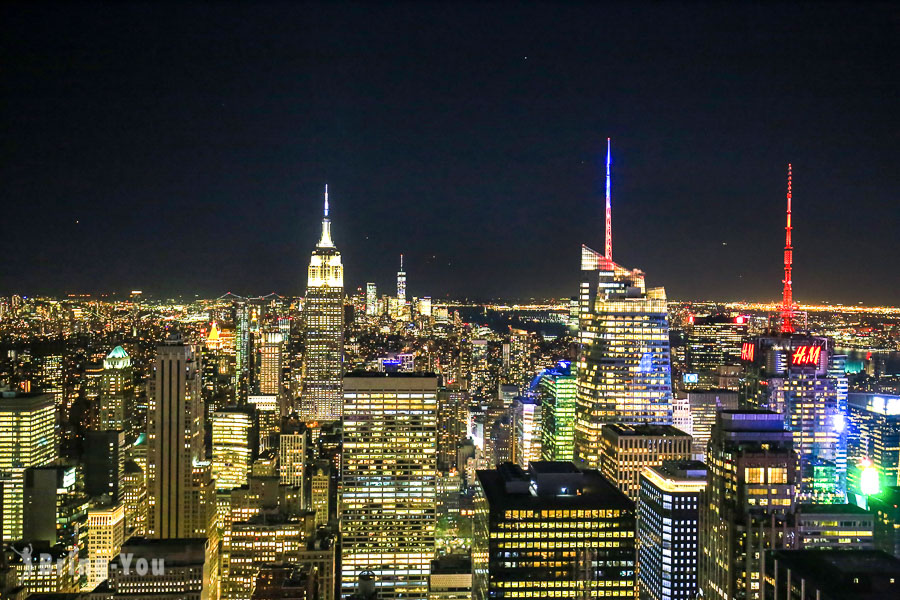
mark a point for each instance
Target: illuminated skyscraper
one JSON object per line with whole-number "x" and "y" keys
{"x": 179, "y": 482}
{"x": 526, "y": 431}
{"x": 270, "y": 363}
{"x": 401, "y": 282}
{"x": 556, "y": 389}
{"x": 791, "y": 374}
{"x": 241, "y": 317}
{"x": 28, "y": 439}
{"x": 321, "y": 397}
{"x": 627, "y": 449}
{"x": 668, "y": 545}
{"x": 624, "y": 366}
{"x": 745, "y": 508}
{"x": 714, "y": 341}
{"x": 234, "y": 446}
{"x": 874, "y": 442}
{"x": 116, "y": 392}
{"x": 623, "y": 373}
{"x": 551, "y": 532}
{"x": 106, "y": 534}
{"x": 371, "y": 299}
{"x": 388, "y": 488}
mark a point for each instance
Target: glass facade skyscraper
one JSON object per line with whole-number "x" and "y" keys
{"x": 624, "y": 369}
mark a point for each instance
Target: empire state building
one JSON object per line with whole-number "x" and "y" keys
{"x": 322, "y": 395}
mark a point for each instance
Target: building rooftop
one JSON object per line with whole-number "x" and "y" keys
{"x": 682, "y": 469}
{"x": 175, "y": 551}
{"x": 845, "y": 574}
{"x": 550, "y": 485}
{"x": 831, "y": 509}
{"x": 451, "y": 564}
{"x": 645, "y": 430}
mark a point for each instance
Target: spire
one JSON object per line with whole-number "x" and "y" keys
{"x": 401, "y": 262}
{"x": 787, "y": 300}
{"x": 325, "y": 240}
{"x": 608, "y": 208}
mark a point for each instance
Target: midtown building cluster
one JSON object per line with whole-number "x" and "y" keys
{"x": 356, "y": 444}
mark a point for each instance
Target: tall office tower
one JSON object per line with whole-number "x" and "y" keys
{"x": 518, "y": 368}
{"x": 235, "y": 444}
{"x": 623, "y": 374}
{"x": 55, "y": 506}
{"x": 269, "y": 412}
{"x": 293, "y": 447}
{"x": 106, "y": 534}
{"x": 50, "y": 378}
{"x": 703, "y": 406}
{"x": 526, "y": 430}
{"x": 627, "y": 449}
{"x": 833, "y": 527}
{"x": 172, "y": 568}
{"x": 481, "y": 382}
{"x": 271, "y": 369}
{"x": 134, "y": 497}
{"x": 371, "y": 299}
{"x": 388, "y": 484}
{"x": 104, "y": 464}
{"x": 401, "y": 282}
{"x": 452, "y": 424}
{"x": 886, "y": 509}
{"x": 241, "y": 320}
{"x": 873, "y": 442}
{"x": 320, "y": 491}
{"x": 753, "y": 475}
{"x": 832, "y": 574}
{"x": 262, "y": 539}
{"x": 668, "y": 511}
{"x": 324, "y": 330}
{"x": 176, "y": 488}
{"x": 714, "y": 341}
{"x": 424, "y": 306}
{"x": 116, "y": 393}
{"x": 530, "y": 535}
{"x": 556, "y": 389}
{"x": 29, "y": 440}
{"x": 790, "y": 374}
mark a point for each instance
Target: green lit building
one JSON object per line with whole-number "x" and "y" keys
{"x": 556, "y": 389}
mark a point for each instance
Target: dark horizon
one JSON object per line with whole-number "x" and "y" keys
{"x": 183, "y": 149}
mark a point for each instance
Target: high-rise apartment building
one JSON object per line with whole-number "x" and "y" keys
{"x": 745, "y": 508}
{"x": 551, "y": 531}
{"x": 388, "y": 485}
{"x": 179, "y": 483}
{"x": 627, "y": 449}
{"x": 668, "y": 534}
{"x": 28, "y": 439}
{"x": 321, "y": 399}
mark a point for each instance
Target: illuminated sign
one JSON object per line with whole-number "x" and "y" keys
{"x": 806, "y": 355}
{"x": 740, "y": 319}
{"x": 691, "y": 378}
{"x": 748, "y": 351}
{"x": 869, "y": 480}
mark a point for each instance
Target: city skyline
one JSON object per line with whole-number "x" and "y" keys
{"x": 470, "y": 163}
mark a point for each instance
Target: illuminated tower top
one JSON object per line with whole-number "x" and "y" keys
{"x": 401, "y": 281}
{"x": 608, "y": 208}
{"x": 325, "y": 240}
{"x": 787, "y": 301}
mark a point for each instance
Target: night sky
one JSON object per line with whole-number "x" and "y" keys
{"x": 183, "y": 149}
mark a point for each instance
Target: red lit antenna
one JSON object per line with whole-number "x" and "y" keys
{"x": 787, "y": 301}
